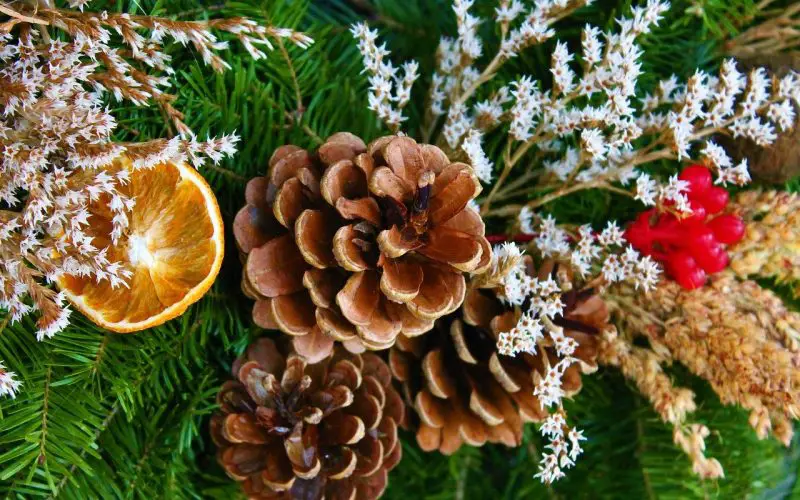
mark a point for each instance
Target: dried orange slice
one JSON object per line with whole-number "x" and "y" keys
{"x": 173, "y": 248}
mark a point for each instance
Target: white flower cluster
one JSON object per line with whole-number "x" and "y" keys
{"x": 605, "y": 129}
{"x": 58, "y": 156}
{"x": 674, "y": 193}
{"x": 749, "y": 106}
{"x": 563, "y": 450}
{"x": 477, "y": 157}
{"x": 590, "y": 124}
{"x": 726, "y": 171}
{"x": 389, "y": 91}
{"x": 708, "y": 101}
{"x": 456, "y": 79}
{"x": 617, "y": 260}
{"x": 535, "y": 26}
{"x": 9, "y": 386}
{"x": 535, "y": 327}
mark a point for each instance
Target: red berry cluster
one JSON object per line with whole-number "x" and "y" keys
{"x": 689, "y": 248}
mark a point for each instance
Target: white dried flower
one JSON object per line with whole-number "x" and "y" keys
{"x": 56, "y": 129}
{"x": 9, "y": 385}
{"x": 390, "y": 88}
{"x": 477, "y": 157}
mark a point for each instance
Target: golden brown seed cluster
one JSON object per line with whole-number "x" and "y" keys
{"x": 771, "y": 244}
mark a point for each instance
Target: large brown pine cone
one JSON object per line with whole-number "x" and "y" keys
{"x": 292, "y": 430}
{"x": 359, "y": 243}
{"x": 464, "y": 391}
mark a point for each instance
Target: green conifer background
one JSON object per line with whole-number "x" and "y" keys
{"x": 125, "y": 416}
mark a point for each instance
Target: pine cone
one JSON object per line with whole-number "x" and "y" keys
{"x": 359, "y": 243}
{"x": 292, "y": 430}
{"x": 464, "y": 391}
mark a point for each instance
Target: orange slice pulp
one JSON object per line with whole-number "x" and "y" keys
{"x": 173, "y": 248}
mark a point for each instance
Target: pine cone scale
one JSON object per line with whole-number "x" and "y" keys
{"x": 313, "y": 233}
{"x": 464, "y": 391}
{"x": 276, "y": 268}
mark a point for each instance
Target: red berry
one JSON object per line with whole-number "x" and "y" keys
{"x": 699, "y": 179}
{"x": 668, "y": 222}
{"x": 680, "y": 263}
{"x": 698, "y": 212}
{"x": 715, "y": 199}
{"x": 683, "y": 269}
{"x": 639, "y": 237}
{"x": 699, "y": 237}
{"x": 712, "y": 259}
{"x": 727, "y": 228}
{"x": 695, "y": 279}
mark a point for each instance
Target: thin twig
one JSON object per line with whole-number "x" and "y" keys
{"x": 226, "y": 172}
{"x": 297, "y": 117}
{"x": 507, "y": 166}
{"x": 9, "y": 11}
{"x": 45, "y": 408}
{"x": 461, "y": 484}
{"x": 595, "y": 184}
{"x": 298, "y": 96}
{"x": 103, "y": 426}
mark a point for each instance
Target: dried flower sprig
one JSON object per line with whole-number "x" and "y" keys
{"x": 775, "y": 30}
{"x": 602, "y": 258}
{"x": 673, "y": 404}
{"x": 541, "y": 306}
{"x": 9, "y": 385}
{"x": 771, "y": 244}
{"x": 562, "y": 451}
{"x": 55, "y": 136}
{"x": 590, "y": 130}
{"x": 389, "y": 92}
{"x": 734, "y": 334}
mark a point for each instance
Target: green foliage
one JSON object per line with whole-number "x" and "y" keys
{"x": 629, "y": 454}
{"x": 125, "y": 416}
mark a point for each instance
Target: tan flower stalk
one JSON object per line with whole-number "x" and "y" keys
{"x": 777, "y": 30}
{"x": 673, "y": 404}
{"x": 734, "y": 334}
{"x": 771, "y": 245}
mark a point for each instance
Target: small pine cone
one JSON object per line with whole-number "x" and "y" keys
{"x": 291, "y": 430}
{"x": 464, "y": 391}
{"x": 359, "y": 243}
